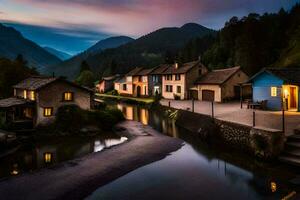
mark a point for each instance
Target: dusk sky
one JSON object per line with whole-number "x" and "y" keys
{"x": 74, "y": 25}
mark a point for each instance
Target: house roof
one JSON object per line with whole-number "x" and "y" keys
{"x": 120, "y": 80}
{"x": 110, "y": 78}
{"x": 217, "y": 77}
{"x": 134, "y": 71}
{"x": 38, "y": 82}
{"x": 160, "y": 69}
{"x": 288, "y": 75}
{"x": 144, "y": 72}
{"x": 13, "y": 101}
{"x": 35, "y": 82}
{"x": 171, "y": 69}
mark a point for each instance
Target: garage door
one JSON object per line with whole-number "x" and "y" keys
{"x": 208, "y": 95}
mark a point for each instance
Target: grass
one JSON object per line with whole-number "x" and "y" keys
{"x": 139, "y": 100}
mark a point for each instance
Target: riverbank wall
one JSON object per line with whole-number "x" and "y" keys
{"x": 257, "y": 141}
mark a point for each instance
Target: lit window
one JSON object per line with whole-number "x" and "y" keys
{"x": 32, "y": 95}
{"x": 48, "y": 157}
{"x": 48, "y": 112}
{"x": 68, "y": 96}
{"x": 25, "y": 94}
{"x": 274, "y": 91}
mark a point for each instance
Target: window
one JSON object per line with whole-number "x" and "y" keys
{"x": 155, "y": 78}
{"x": 178, "y": 89}
{"x": 32, "y": 95}
{"x": 169, "y": 88}
{"x": 124, "y": 87}
{"x": 68, "y": 96}
{"x": 274, "y": 91}
{"x": 25, "y": 94}
{"x": 144, "y": 79}
{"x": 177, "y": 77}
{"x": 168, "y": 77}
{"x": 48, "y": 112}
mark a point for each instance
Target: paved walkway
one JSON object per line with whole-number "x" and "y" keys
{"x": 232, "y": 112}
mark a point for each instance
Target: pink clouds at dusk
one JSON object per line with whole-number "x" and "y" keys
{"x": 91, "y": 20}
{"x": 132, "y": 17}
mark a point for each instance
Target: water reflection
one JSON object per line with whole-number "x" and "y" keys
{"x": 135, "y": 113}
{"x": 199, "y": 171}
{"x": 44, "y": 153}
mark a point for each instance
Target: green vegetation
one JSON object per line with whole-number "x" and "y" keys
{"x": 71, "y": 119}
{"x": 86, "y": 77}
{"x": 252, "y": 42}
{"x": 12, "y": 72}
{"x": 126, "y": 99}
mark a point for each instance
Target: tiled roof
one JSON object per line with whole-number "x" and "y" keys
{"x": 111, "y": 78}
{"x": 134, "y": 71}
{"x": 218, "y": 77}
{"x": 13, "y": 101}
{"x": 35, "y": 82}
{"x": 288, "y": 75}
{"x": 144, "y": 72}
{"x": 171, "y": 69}
{"x": 160, "y": 69}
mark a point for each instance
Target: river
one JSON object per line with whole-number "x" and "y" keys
{"x": 198, "y": 170}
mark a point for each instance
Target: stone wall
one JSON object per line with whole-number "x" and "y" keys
{"x": 260, "y": 142}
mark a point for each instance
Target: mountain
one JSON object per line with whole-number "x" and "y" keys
{"x": 149, "y": 50}
{"x": 67, "y": 68}
{"x": 61, "y": 55}
{"x": 12, "y": 43}
{"x": 108, "y": 43}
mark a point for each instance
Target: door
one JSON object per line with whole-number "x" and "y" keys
{"x": 138, "y": 91}
{"x": 208, "y": 95}
{"x": 293, "y": 101}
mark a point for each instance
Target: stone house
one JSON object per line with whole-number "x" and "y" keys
{"x": 106, "y": 84}
{"x": 37, "y": 99}
{"x": 178, "y": 79}
{"x": 220, "y": 85}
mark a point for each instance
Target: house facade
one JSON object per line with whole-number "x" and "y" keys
{"x": 141, "y": 83}
{"x": 279, "y": 87}
{"x": 124, "y": 85}
{"x": 177, "y": 80}
{"x": 155, "y": 80}
{"x": 106, "y": 84}
{"x": 221, "y": 85}
{"x": 37, "y": 99}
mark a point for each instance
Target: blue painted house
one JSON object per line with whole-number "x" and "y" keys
{"x": 278, "y": 86}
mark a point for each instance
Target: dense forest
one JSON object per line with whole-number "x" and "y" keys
{"x": 253, "y": 42}
{"x": 12, "y": 72}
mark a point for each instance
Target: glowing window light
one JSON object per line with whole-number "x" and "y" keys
{"x": 48, "y": 157}
{"x": 273, "y": 186}
{"x": 274, "y": 91}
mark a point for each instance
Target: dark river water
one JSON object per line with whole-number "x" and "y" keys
{"x": 40, "y": 153}
{"x": 198, "y": 171}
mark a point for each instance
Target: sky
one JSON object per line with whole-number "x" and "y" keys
{"x": 74, "y": 25}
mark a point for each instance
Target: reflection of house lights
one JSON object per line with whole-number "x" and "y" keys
{"x": 48, "y": 157}
{"x": 273, "y": 187}
{"x": 15, "y": 170}
{"x": 286, "y": 93}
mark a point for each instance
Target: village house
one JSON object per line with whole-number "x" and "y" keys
{"x": 178, "y": 79}
{"x": 221, "y": 85}
{"x": 106, "y": 84}
{"x": 37, "y": 99}
{"x": 124, "y": 85}
{"x": 141, "y": 83}
{"x": 155, "y": 80}
{"x": 278, "y": 87}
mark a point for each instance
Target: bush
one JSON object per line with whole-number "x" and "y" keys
{"x": 71, "y": 118}
{"x": 113, "y": 92}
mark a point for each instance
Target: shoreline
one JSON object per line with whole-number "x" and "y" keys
{"x": 78, "y": 178}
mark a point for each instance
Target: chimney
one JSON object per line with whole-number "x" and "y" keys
{"x": 176, "y": 65}
{"x": 199, "y": 58}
